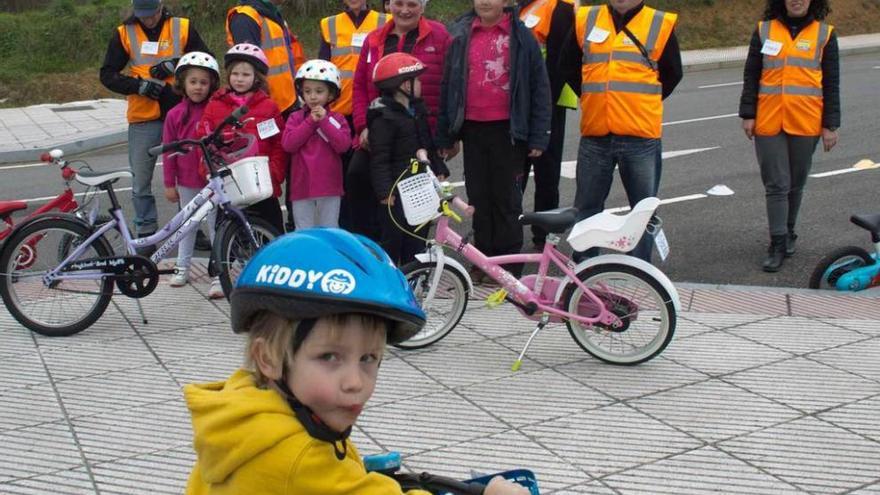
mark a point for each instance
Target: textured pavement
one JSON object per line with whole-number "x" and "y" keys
{"x": 760, "y": 392}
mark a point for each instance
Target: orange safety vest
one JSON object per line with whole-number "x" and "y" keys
{"x": 345, "y": 42}
{"x": 538, "y": 15}
{"x": 621, "y": 92}
{"x": 790, "y": 94}
{"x": 143, "y": 54}
{"x": 283, "y": 59}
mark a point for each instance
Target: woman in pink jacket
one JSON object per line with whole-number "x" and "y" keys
{"x": 315, "y": 137}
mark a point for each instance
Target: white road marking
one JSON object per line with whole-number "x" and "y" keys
{"x": 569, "y": 168}
{"x": 877, "y": 66}
{"x": 738, "y": 83}
{"x": 858, "y": 167}
{"x": 702, "y": 119}
{"x": 44, "y": 164}
{"x": 668, "y": 201}
{"x": 47, "y": 198}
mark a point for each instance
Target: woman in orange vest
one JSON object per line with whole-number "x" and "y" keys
{"x": 790, "y": 98}
{"x": 149, "y": 43}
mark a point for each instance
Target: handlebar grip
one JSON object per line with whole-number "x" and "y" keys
{"x": 156, "y": 150}
{"x": 465, "y": 209}
{"x": 236, "y": 114}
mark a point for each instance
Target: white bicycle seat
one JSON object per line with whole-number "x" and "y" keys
{"x": 90, "y": 178}
{"x": 617, "y": 232}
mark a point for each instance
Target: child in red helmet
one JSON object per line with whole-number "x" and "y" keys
{"x": 399, "y": 131}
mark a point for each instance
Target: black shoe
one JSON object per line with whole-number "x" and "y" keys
{"x": 789, "y": 246}
{"x": 775, "y": 254}
{"x": 203, "y": 243}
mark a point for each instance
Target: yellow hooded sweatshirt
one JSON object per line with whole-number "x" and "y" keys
{"x": 248, "y": 441}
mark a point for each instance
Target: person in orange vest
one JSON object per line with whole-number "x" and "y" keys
{"x": 149, "y": 43}
{"x": 342, "y": 36}
{"x": 259, "y": 22}
{"x": 630, "y": 62}
{"x": 790, "y": 98}
{"x": 550, "y": 22}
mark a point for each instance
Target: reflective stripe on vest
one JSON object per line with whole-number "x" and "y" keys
{"x": 338, "y": 31}
{"x": 621, "y": 92}
{"x": 281, "y": 54}
{"x": 169, "y": 45}
{"x": 790, "y": 92}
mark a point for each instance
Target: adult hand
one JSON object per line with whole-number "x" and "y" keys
{"x": 749, "y": 128}
{"x": 500, "y": 486}
{"x": 318, "y": 113}
{"x": 829, "y": 139}
{"x": 171, "y": 195}
{"x": 163, "y": 69}
{"x": 388, "y": 201}
{"x": 150, "y": 88}
{"x": 535, "y": 153}
{"x": 365, "y": 139}
{"x": 422, "y": 155}
{"x": 449, "y": 153}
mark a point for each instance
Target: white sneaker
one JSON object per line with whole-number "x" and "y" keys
{"x": 180, "y": 278}
{"x": 216, "y": 290}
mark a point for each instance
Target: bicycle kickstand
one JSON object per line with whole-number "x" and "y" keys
{"x": 141, "y": 311}
{"x": 541, "y": 324}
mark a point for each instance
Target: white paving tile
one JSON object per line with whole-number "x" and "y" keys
{"x": 28, "y": 406}
{"x": 68, "y": 482}
{"x": 862, "y": 358}
{"x": 37, "y": 450}
{"x": 718, "y": 353}
{"x": 797, "y": 335}
{"x": 399, "y": 380}
{"x": 494, "y": 322}
{"x": 459, "y": 366}
{"x": 610, "y": 439}
{"x": 22, "y": 370}
{"x": 627, "y": 382}
{"x": 862, "y": 417}
{"x": 213, "y": 368}
{"x": 592, "y": 488}
{"x": 100, "y": 357}
{"x": 364, "y": 444}
{"x": 869, "y": 327}
{"x": 804, "y": 384}
{"x": 98, "y": 394}
{"x": 873, "y": 489}
{"x": 164, "y": 472}
{"x": 199, "y": 341}
{"x": 686, "y": 327}
{"x": 722, "y": 320}
{"x": 811, "y": 455}
{"x": 111, "y": 326}
{"x": 552, "y": 346}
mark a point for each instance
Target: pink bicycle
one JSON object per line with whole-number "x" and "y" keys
{"x": 618, "y": 308}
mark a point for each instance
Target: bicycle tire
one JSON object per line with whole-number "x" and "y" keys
{"x": 14, "y": 283}
{"x": 644, "y": 282}
{"x": 233, "y": 248}
{"x": 452, "y": 283}
{"x": 65, "y": 245}
{"x": 837, "y": 263}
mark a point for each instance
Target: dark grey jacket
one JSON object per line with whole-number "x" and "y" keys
{"x": 530, "y": 105}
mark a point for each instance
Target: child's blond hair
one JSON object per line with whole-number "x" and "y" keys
{"x": 284, "y": 337}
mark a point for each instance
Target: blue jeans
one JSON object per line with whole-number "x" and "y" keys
{"x": 639, "y": 162}
{"x": 141, "y": 137}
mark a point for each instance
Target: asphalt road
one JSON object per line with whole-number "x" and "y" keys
{"x": 714, "y": 239}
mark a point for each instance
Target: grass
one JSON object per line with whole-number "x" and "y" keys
{"x": 53, "y": 54}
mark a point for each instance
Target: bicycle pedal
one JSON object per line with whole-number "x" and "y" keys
{"x": 496, "y": 298}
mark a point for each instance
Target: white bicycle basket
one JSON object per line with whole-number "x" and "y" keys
{"x": 248, "y": 181}
{"x": 419, "y": 198}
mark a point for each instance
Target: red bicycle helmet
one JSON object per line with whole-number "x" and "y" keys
{"x": 392, "y": 70}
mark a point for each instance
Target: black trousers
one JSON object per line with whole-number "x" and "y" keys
{"x": 493, "y": 170}
{"x": 548, "y": 168}
{"x": 359, "y": 209}
{"x": 400, "y": 246}
{"x": 269, "y": 210}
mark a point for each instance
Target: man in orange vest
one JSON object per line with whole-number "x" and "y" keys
{"x": 550, "y": 22}
{"x": 259, "y": 22}
{"x": 630, "y": 62}
{"x": 149, "y": 43}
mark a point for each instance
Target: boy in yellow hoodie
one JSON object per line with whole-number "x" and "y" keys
{"x": 318, "y": 307}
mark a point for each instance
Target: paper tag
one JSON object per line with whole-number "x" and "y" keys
{"x": 771, "y": 48}
{"x": 598, "y": 35}
{"x": 150, "y": 48}
{"x": 267, "y": 129}
{"x": 357, "y": 39}
{"x": 322, "y": 135}
{"x": 662, "y": 244}
{"x": 803, "y": 45}
{"x": 627, "y": 41}
{"x": 531, "y": 21}
{"x": 335, "y": 122}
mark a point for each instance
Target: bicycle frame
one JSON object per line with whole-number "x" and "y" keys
{"x": 64, "y": 202}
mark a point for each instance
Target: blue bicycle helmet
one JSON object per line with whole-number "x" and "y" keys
{"x": 317, "y": 272}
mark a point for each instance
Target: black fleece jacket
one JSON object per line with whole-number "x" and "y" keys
{"x": 245, "y": 30}
{"x": 561, "y": 22}
{"x": 748, "y": 103}
{"x": 117, "y": 59}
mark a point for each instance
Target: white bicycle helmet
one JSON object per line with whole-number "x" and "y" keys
{"x": 318, "y": 70}
{"x": 197, "y": 59}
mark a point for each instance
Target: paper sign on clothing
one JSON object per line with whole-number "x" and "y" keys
{"x": 267, "y": 129}
{"x": 357, "y": 39}
{"x": 771, "y": 48}
{"x": 531, "y": 21}
{"x": 150, "y": 48}
{"x": 598, "y": 35}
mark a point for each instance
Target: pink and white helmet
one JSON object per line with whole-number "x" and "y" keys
{"x": 247, "y": 53}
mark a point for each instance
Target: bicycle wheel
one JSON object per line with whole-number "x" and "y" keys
{"x": 836, "y": 264}
{"x": 64, "y": 307}
{"x": 641, "y": 303}
{"x": 66, "y": 246}
{"x": 233, "y": 248}
{"x": 446, "y": 308}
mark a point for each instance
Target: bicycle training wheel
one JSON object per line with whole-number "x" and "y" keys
{"x": 838, "y": 263}
{"x": 444, "y": 310}
{"x": 64, "y": 307}
{"x": 641, "y": 303}
{"x": 233, "y": 248}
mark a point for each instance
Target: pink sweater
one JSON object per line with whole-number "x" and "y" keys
{"x": 488, "y": 84}
{"x": 180, "y": 123}
{"x": 314, "y": 147}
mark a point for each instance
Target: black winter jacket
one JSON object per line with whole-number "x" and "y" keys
{"x": 395, "y": 136}
{"x": 561, "y": 24}
{"x": 530, "y": 105}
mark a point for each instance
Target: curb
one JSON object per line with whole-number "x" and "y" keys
{"x": 737, "y": 60}
{"x": 70, "y": 147}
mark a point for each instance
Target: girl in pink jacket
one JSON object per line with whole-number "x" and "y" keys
{"x": 315, "y": 137}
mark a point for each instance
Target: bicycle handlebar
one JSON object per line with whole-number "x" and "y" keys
{"x": 434, "y": 483}
{"x": 177, "y": 146}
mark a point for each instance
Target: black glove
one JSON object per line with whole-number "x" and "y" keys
{"x": 163, "y": 69}
{"x": 151, "y": 89}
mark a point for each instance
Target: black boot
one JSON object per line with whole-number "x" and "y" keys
{"x": 789, "y": 246}
{"x": 775, "y": 254}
